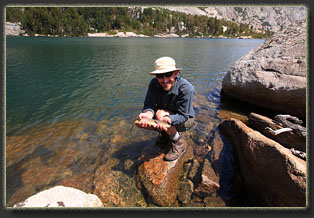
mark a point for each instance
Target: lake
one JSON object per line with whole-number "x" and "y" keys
{"x": 70, "y": 102}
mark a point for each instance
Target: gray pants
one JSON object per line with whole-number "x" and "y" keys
{"x": 188, "y": 125}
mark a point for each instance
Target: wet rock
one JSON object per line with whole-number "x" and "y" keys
{"x": 267, "y": 168}
{"x": 60, "y": 196}
{"x": 83, "y": 182}
{"x": 226, "y": 113}
{"x": 193, "y": 170}
{"x": 201, "y": 152}
{"x": 65, "y": 157}
{"x": 116, "y": 189}
{"x": 186, "y": 188}
{"x": 128, "y": 164}
{"x": 273, "y": 75}
{"x": 216, "y": 155}
{"x": 17, "y": 148}
{"x": 213, "y": 201}
{"x": 209, "y": 182}
{"x": 221, "y": 159}
{"x": 287, "y": 139}
{"x": 43, "y": 175}
{"x": 160, "y": 178}
{"x": 196, "y": 201}
{"x": 84, "y": 136}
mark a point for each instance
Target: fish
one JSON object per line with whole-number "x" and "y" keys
{"x": 152, "y": 122}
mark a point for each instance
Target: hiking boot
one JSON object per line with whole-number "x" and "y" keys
{"x": 177, "y": 149}
{"x": 163, "y": 140}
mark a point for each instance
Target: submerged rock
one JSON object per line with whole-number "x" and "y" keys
{"x": 273, "y": 75}
{"x": 267, "y": 169}
{"x": 209, "y": 182}
{"x": 83, "y": 182}
{"x": 186, "y": 188}
{"x": 116, "y": 189}
{"x": 60, "y": 196}
{"x": 159, "y": 178}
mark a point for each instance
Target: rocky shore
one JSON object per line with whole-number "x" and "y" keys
{"x": 266, "y": 169}
{"x": 131, "y": 34}
{"x": 269, "y": 154}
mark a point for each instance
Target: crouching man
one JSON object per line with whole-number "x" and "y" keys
{"x": 169, "y": 98}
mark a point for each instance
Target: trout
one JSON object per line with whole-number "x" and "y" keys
{"x": 152, "y": 122}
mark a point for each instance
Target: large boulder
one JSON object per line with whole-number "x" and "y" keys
{"x": 61, "y": 196}
{"x": 268, "y": 170}
{"x": 273, "y": 75}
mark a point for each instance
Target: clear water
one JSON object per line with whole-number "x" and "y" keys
{"x": 61, "y": 92}
{"x": 53, "y": 79}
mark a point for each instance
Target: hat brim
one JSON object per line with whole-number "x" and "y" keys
{"x": 164, "y": 71}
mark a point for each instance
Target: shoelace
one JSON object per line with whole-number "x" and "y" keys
{"x": 173, "y": 149}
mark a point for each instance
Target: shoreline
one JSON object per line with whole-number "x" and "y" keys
{"x": 169, "y": 35}
{"x": 123, "y": 35}
{"x": 14, "y": 29}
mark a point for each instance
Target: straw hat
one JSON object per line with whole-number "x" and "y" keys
{"x": 164, "y": 65}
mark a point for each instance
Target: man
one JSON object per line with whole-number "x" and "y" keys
{"x": 169, "y": 98}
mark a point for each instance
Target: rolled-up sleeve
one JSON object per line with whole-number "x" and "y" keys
{"x": 150, "y": 103}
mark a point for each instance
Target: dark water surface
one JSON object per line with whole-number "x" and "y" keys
{"x": 70, "y": 102}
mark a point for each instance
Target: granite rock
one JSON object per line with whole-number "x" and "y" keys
{"x": 268, "y": 170}
{"x": 273, "y": 75}
{"x": 61, "y": 196}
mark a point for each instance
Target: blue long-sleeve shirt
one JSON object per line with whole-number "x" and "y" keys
{"x": 178, "y": 100}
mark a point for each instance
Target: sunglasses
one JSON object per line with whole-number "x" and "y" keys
{"x": 169, "y": 74}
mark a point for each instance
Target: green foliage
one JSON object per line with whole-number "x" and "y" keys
{"x": 14, "y": 14}
{"x": 72, "y": 21}
{"x": 238, "y": 9}
{"x": 202, "y": 8}
{"x": 265, "y": 23}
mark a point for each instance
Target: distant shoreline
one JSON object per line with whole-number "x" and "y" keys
{"x": 14, "y": 29}
{"x": 105, "y": 35}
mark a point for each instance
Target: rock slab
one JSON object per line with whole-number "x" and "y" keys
{"x": 61, "y": 196}
{"x": 273, "y": 75}
{"x": 268, "y": 170}
{"x": 160, "y": 178}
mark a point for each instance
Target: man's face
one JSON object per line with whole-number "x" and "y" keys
{"x": 167, "y": 81}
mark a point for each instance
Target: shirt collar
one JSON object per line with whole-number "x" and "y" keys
{"x": 175, "y": 88}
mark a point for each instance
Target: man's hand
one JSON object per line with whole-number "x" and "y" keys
{"x": 167, "y": 119}
{"x": 147, "y": 114}
{"x": 160, "y": 127}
